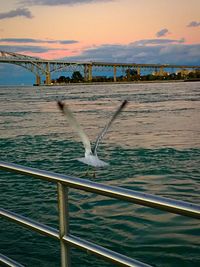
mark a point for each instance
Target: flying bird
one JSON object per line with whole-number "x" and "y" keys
{"x": 91, "y": 157}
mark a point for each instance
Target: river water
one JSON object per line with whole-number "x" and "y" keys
{"x": 153, "y": 147}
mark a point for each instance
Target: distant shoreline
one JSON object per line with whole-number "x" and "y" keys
{"x": 126, "y": 82}
{"x": 106, "y": 83}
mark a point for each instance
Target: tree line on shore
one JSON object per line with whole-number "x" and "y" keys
{"x": 130, "y": 75}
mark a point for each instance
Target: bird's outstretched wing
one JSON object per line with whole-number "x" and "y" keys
{"x": 104, "y": 131}
{"x": 75, "y": 125}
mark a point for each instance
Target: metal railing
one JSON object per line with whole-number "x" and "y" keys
{"x": 63, "y": 234}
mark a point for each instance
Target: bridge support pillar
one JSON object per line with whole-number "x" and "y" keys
{"x": 48, "y": 74}
{"x": 128, "y": 74}
{"x": 138, "y": 71}
{"x": 115, "y": 73}
{"x": 88, "y": 72}
{"x": 38, "y": 80}
{"x": 161, "y": 71}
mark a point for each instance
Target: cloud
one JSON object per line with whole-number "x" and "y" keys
{"x": 60, "y": 2}
{"x": 67, "y": 41}
{"x": 193, "y": 24}
{"x": 162, "y": 32}
{"x": 152, "y": 51}
{"x": 165, "y": 53}
{"x": 30, "y": 40}
{"x": 157, "y": 42}
{"x": 19, "y": 12}
{"x": 43, "y": 48}
{"x": 28, "y": 48}
{"x": 21, "y": 48}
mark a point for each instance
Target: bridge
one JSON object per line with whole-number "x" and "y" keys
{"x": 41, "y": 67}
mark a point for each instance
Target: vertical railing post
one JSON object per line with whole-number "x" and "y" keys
{"x": 63, "y": 209}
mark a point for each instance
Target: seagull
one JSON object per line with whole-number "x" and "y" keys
{"x": 91, "y": 157}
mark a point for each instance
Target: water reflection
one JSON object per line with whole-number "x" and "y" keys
{"x": 157, "y": 114}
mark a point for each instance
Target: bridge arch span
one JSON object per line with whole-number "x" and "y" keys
{"x": 35, "y": 65}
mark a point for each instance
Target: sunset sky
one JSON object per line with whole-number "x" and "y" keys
{"x": 144, "y": 31}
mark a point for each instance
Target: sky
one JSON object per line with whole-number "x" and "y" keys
{"x": 134, "y": 31}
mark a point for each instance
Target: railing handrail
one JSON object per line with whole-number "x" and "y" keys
{"x": 149, "y": 200}
{"x": 67, "y": 240}
{"x": 70, "y": 239}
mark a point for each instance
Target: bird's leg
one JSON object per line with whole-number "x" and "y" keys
{"x": 90, "y": 174}
{"x": 94, "y": 173}
{"x": 87, "y": 172}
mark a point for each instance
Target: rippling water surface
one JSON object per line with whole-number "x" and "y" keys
{"x": 153, "y": 147}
